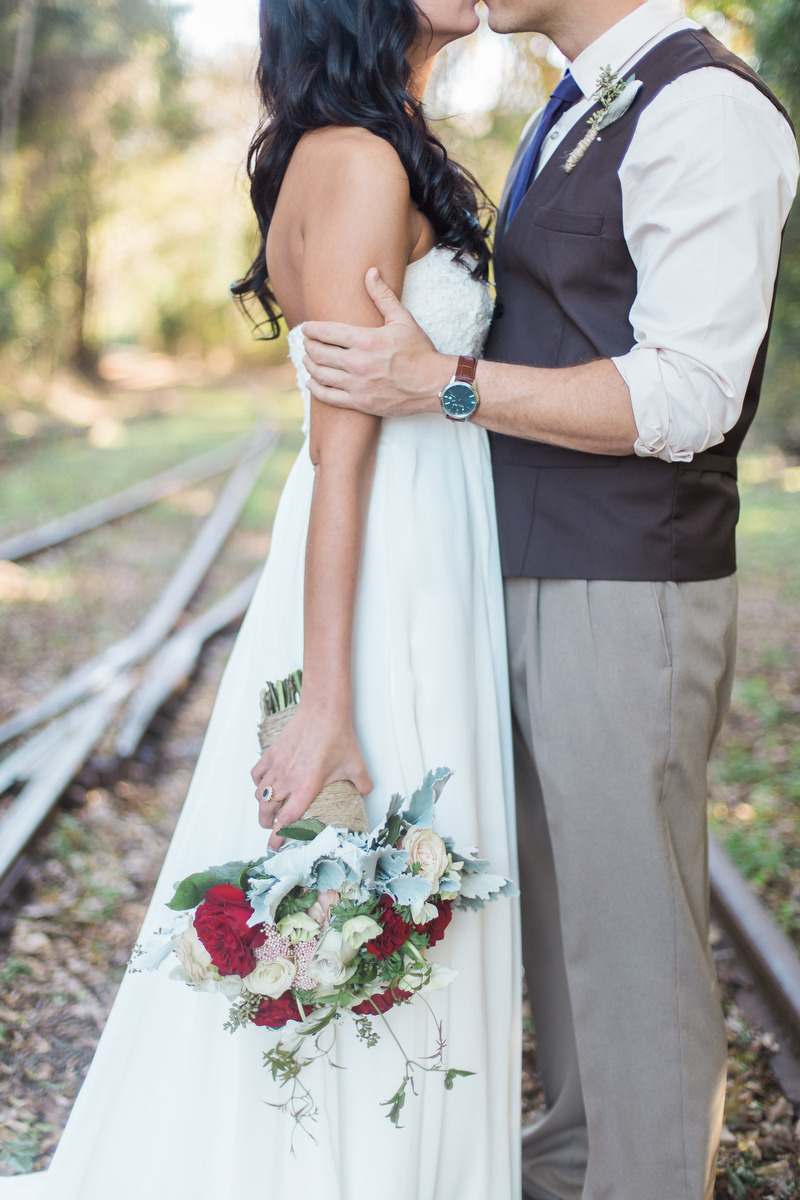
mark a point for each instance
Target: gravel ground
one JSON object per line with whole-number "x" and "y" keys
{"x": 66, "y": 934}
{"x": 66, "y": 947}
{"x": 755, "y": 782}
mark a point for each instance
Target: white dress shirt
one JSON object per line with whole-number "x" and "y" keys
{"x": 707, "y": 183}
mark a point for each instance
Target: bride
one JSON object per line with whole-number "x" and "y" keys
{"x": 383, "y": 581}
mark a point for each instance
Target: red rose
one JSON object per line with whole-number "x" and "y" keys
{"x": 435, "y": 928}
{"x": 275, "y": 1013}
{"x": 221, "y": 924}
{"x": 395, "y": 930}
{"x": 383, "y": 1001}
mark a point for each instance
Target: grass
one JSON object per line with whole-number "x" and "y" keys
{"x": 64, "y": 605}
{"x": 755, "y": 775}
{"x": 56, "y": 477}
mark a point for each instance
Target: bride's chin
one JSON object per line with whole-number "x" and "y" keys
{"x": 460, "y": 23}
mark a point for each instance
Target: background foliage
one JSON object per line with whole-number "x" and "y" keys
{"x": 123, "y": 206}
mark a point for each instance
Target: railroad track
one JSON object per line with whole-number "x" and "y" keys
{"x": 127, "y": 686}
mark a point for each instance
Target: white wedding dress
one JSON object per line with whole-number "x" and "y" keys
{"x": 173, "y": 1107}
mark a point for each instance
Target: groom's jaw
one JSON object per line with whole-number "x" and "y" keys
{"x": 571, "y": 24}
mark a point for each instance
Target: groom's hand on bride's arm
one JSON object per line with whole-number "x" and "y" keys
{"x": 396, "y": 371}
{"x": 390, "y": 371}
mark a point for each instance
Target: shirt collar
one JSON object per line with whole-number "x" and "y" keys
{"x": 620, "y": 43}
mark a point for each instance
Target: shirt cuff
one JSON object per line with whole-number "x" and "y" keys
{"x": 641, "y": 370}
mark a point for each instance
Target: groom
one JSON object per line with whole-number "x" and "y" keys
{"x": 622, "y": 372}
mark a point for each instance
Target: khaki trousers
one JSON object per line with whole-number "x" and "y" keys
{"x": 618, "y": 691}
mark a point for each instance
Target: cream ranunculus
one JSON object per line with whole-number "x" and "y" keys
{"x": 351, "y": 891}
{"x": 427, "y": 848}
{"x": 192, "y": 954}
{"x": 298, "y": 927}
{"x": 330, "y": 964}
{"x": 359, "y": 930}
{"x": 271, "y": 978}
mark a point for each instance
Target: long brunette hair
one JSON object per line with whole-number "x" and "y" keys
{"x": 345, "y": 62}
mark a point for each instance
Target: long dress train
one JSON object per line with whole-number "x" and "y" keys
{"x": 173, "y": 1106}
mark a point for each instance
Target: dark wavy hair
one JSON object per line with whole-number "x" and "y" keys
{"x": 345, "y": 62}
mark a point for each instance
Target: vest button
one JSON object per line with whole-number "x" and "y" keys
{"x": 499, "y": 309}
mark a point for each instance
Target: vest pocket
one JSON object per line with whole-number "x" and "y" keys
{"x": 561, "y": 221}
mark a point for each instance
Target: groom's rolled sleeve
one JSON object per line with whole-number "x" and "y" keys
{"x": 707, "y": 184}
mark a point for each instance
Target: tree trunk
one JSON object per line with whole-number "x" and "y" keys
{"x": 20, "y": 74}
{"x": 84, "y": 356}
{"x": 12, "y": 97}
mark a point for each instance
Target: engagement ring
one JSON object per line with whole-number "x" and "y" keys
{"x": 268, "y": 793}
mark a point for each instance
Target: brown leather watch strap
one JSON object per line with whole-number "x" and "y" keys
{"x": 465, "y": 371}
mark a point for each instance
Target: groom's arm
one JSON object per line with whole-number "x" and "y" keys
{"x": 395, "y": 371}
{"x": 707, "y": 184}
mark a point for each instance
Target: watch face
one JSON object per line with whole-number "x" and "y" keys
{"x": 459, "y": 400}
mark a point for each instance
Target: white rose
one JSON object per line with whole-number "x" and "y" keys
{"x": 271, "y": 978}
{"x": 192, "y": 954}
{"x": 427, "y": 848}
{"x": 351, "y": 891}
{"x": 329, "y": 965}
{"x": 359, "y": 930}
{"x": 298, "y": 927}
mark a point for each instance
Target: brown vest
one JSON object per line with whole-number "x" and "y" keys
{"x": 565, "y": 284}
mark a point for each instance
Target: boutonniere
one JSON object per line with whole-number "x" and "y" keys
{"x": 615, "y": 96}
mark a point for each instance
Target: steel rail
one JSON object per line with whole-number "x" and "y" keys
{"x": 766, "y": 949}
{"x": 98, "y": 672}
{"x": 140, "y": 495}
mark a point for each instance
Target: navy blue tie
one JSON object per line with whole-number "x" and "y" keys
{"x": 566, "y": 94}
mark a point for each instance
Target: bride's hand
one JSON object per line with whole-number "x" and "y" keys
{"x": 306, "y": 755}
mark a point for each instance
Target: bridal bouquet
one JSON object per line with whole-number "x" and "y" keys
{"x": 335, "y": 922}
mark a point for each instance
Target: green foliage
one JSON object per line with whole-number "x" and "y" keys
{"x": 451, "y": 1075}
{"x": 756, "y": 852}
{"x": 392, "y": 831}
{"x": 242, "y": 1012}
{"x": 741, "y": 766}
{"x": 20, "y": 1154}
{"x": 396, "y": 1102}
{"x": 294, "y": 903}
{"x": 777, "y": 46}
{"x": 304, "y": 830}
{"x": 365, "y": 1031}
{"x": 106, "y": 82}
{"x": 192, "y": 891}
{"x": 11, "y": 968}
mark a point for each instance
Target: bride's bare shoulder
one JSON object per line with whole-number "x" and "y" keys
{"x": 349, "y": 156}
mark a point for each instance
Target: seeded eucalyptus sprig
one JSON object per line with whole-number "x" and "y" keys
{"x": 279, "y": 695}
{"x": 615, "y": 96}
{"x": 242, "y": 1012}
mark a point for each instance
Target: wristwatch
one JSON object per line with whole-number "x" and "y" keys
{"x": 460, "y": 397}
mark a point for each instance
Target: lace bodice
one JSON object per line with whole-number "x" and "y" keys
{"x": 453, "y": 308}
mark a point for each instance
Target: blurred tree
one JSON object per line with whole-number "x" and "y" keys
{"x": 777, "y": 45}
{"x": 103, "y": 81}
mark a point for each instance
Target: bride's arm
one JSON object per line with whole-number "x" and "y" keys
{"x": 355, "y": 208}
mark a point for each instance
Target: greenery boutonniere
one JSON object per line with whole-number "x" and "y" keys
{"x": 615, "y": 96}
